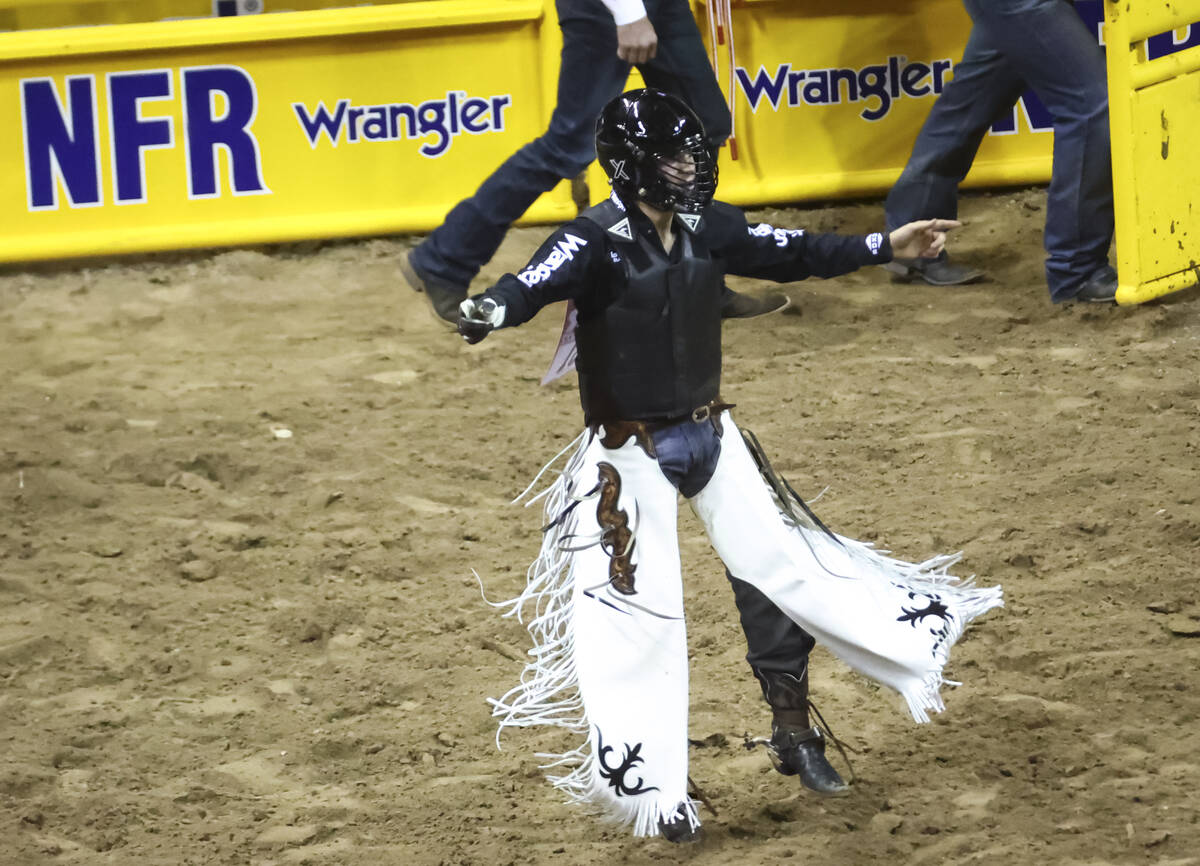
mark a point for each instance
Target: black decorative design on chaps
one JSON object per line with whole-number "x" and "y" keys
{"x": 934, "y": 608}
{"x": 616, "y": 775}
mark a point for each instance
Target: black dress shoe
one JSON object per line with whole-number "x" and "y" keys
{"x": 937, "y": 272}
{"x": 1100, "y": 287}
{"x": 796, "y": 752}
{"x": 443, "y": 297}
{"x": 739, "y": 306}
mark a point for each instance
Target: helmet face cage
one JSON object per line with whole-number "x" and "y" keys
{"x": 653, "y": 148}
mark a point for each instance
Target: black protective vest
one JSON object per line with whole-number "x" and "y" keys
{"x": 655, "y": 351}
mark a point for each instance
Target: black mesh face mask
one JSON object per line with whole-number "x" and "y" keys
{"x": 685, "y": 180}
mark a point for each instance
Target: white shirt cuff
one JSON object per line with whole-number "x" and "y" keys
{"x": 625, "y": 11}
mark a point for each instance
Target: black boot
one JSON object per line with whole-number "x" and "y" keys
{"x": 679, "y": 829}
{"x": 797, "y": 747}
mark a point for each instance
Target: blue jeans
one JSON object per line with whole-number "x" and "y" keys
{"x": 687, "y": 455}
{"x": 589, "y": 77}
{"x": 1045, "y": 45}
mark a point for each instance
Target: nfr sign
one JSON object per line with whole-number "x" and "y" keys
{"x": 62, "y": 141}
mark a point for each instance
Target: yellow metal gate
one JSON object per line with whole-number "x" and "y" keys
{"x": 1154, "y": 109}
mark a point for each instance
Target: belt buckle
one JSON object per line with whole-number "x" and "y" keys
{"x": 701, "y": 413}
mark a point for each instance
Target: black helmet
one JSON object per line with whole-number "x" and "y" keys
{"x": 648, "y": 141}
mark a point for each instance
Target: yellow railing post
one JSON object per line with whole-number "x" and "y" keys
{"x": 1155, "y": 156}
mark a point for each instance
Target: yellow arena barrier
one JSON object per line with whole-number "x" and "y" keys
{"x": 1155, "y": 126}
{"x": 263, "y": 128}
{"x": 212, "y": 131}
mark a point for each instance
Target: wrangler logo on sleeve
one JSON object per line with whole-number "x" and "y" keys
{"x": 763, "y": 230}
{"x": 564, "y": 251}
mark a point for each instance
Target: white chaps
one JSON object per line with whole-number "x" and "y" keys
{"x": 610, "y": 651}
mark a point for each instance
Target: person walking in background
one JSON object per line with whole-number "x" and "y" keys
{"x": 602, "y": 39}
{"x": 1015, "y": 44}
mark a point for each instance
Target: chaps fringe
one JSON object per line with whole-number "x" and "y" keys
{"x": 930, "y": 578}
{"x": 548, "y": 693}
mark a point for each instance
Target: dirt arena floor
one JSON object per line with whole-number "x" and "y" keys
{"x": 221, "y": 643}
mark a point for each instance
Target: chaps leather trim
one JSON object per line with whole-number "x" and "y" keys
{"x": 616, "y": 538}
{"x": 617, "y": 433}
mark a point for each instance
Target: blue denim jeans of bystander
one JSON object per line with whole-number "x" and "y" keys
{"x": 1042, "y": 44}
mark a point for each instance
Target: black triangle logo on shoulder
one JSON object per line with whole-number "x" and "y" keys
{"x": 689, "y": 220}
{"x": 622, "y": 229}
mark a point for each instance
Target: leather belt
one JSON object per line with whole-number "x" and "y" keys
{"x": 617, "y": 433}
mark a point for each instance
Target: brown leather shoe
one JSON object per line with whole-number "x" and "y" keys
{"x": 443, "y": 297}
{"x": 739, "y": 306}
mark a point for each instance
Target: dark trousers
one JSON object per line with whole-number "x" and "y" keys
{"x": 1045, "y": 45}
{"x": 589, "y": 77}
{"x": 687, "y": 455}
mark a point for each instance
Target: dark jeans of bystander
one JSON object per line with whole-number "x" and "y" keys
{"x": 590, "y": 75}
{"x": 1045, "y": 45}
